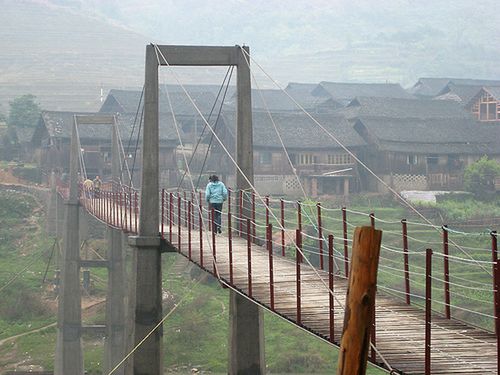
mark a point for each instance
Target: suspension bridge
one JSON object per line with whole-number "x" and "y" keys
{"x": 437, "y": 306}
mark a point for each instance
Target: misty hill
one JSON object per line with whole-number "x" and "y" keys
{"x": 64, "y": 58}
{"x": 64, "y": 51}
{"x": 324, "y": 40}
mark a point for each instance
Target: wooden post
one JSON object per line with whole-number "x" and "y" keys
{"x": 360, "y": 301}
{"x": 446, "y": 264}
{"x": 346, "y": 248}
{"x": 406, "y": 260}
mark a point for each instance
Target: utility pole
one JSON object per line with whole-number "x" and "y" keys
{"x": 69, "y": 358}
{"x": 246, "y": 322}
{"x": 360, "y": 302}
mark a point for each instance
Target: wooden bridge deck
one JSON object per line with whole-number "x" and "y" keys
{"x": 456, "y": 347}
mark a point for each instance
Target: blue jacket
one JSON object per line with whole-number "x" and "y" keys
{"x": 216, "y": 192}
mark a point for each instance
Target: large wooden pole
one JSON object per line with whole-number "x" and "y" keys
{"x": 360, "y": 302}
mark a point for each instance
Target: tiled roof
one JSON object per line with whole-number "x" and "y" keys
{"x": 493, "y": 91}
{"x": 345, "y": 92}
{"x": 431, "y": 87}
{"x": 277, "y": 100}
{"x": 403, "y": 108}
{"x": 128, "y": 101}
{"x": 436, "y": 135}
{"x": 299, "y": 131}
{"x": 59, "y": 125}
{"x": 459, "y": 93}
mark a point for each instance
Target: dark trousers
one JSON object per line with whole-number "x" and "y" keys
{"x": 217, "y": 219}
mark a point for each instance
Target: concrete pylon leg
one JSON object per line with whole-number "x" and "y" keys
{"x": 130, "y": 310}
{"x": 115, "y": 304}
{"x": 246, "y": 337}
{"x": 69, "y": 356}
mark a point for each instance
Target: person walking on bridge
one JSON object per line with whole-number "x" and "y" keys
{"x": 216, "y": 194}
{"x": 97, "y": 186}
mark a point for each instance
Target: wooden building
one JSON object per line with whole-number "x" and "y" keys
{"x": 423, "y": 153}
{"x": 52, "y": 139}
{"x": 320, "y": 162}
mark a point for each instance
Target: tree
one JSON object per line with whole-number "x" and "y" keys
{"x": 24, "y": 112}
{"x": 479, "y": 177}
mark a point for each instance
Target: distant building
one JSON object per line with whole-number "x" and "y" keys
{"x": 52, "y": 139}
{"x": 432, "y": 87}
{"x": 322, "y": 165}
{"x": 343, "y": 93}
{"x": 422, "y": 153}
{"x": 485, "y": 105}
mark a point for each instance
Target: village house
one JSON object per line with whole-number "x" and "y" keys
{"x": 322, "y": 165}
{"x": 485, "y": 105}
{"x": 417, "y": 144}
{"x": 52, "y": 139}
{"x": 428, "y": 88}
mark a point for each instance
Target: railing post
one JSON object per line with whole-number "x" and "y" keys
{"x": 249, "y": 257}
{"x": 240, "y": 214}
{"x": 496, "y": 295}
{"x": 230, "y": 242}
{"x": 299, "y": 215}
{"x": 331, "y": 286}
{"x": 200, "y": 219}
{"x": 185, "y": 208}
{"x": 446, "y": 270}
{"x": 269, "y": 236}
{"x": 428, "y": 306}
{"x": 494, "y": 258}
{"x": 179, "y": 221}
{"x": 346, "y": 247}
{"x": 122, "y": 210}
{"x": 214, "y": 232}
{"x": 298, "y": 260}
{"x": 115, "y": 207}
{"x": 162, "y": 213}
{"x": 192, "y": 210}
{"x": 282, "y": 210}
{"x": 136, "y": 212}
{"x": 406, "y": 260}
{"x": 190, "y": 207}
{"x": 372, "y": 220}
{"x": 267, "y": 210}
{"x": 320, "y": 237}
{"x": 125, "y": 206}
{"x": 254, "y": 237}
{"x": 170, "y": 215}
{"x": 130, "y": 213}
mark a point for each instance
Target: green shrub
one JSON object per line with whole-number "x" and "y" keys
{"x": 479, "y": 177}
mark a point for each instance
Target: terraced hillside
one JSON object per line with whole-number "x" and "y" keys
{"x": 64, "y": 58}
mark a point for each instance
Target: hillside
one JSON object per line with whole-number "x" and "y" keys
{"x": 335, "y": 40}
{"x": 64, "y": 58}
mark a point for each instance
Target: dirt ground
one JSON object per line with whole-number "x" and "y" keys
{"x": 6, "y": 177}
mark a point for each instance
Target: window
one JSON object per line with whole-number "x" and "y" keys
{"x": 487, "y": 108}
{"x": 265, "y": 158}
{"x": 306, "y": 159}
{"x": 340, "y": 159}
{"x": 432, "y": 160}
{"x": 411, "y": 159}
